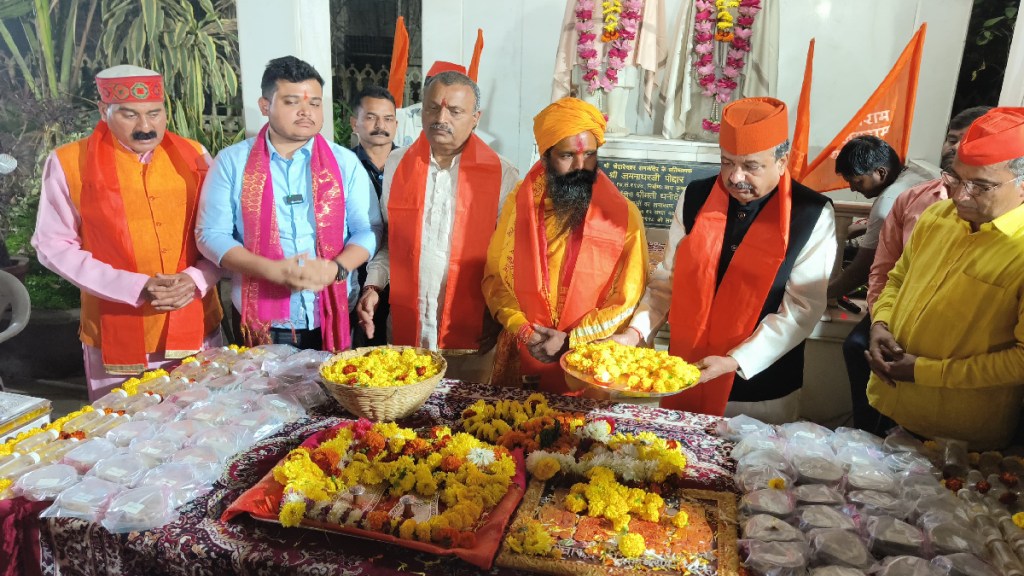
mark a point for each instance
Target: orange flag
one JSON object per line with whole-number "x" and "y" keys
{"x": 399, "y": 62}
{"x": 888, "y": 114}
{"x": 802, "y": 131}
{"x": 474, "y": 64}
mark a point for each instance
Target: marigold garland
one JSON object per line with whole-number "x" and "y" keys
{"x": 469, "y": 475}
{"x": 713, "y": 22}
{"x": 620, "y": 22}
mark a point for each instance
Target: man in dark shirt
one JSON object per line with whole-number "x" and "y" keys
{"x": 373, "y": 121}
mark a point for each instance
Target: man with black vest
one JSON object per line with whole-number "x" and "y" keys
{"x": 745, "y": 273}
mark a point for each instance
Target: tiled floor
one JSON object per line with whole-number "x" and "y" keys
{"x": 64, "y": 395}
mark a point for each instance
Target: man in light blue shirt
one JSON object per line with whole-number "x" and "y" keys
{"x": 291, "y": 149}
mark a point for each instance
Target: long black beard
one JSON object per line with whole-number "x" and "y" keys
{"x": 570, "y": 195}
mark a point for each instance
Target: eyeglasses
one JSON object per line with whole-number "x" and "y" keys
{"x": 970, "y": 187}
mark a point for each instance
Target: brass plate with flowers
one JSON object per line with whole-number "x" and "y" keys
{"x": 628, "y": 371}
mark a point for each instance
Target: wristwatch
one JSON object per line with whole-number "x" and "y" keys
{"x": 342, "y": 273}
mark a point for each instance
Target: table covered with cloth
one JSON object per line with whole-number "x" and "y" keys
{"x": 198, "y": 543}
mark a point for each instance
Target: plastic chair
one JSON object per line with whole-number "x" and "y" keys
{"x": 14, "y": 295}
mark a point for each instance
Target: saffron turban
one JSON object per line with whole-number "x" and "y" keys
{"x": 752, "y": 125}
{"x": 125, "y": 84}
{"x": 564, "y": 118}
{"x": 996, "y": 137}
{"x": 442, "y": 66}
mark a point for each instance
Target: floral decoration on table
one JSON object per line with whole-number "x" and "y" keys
{"x": 631, "y": 368}
{"x": 381, "y": 367}
{"x": 721, "y": 46}
{"x": 600, "y": 496}
{"x": 620, "y": 20}
{"x": 360, "y": 462}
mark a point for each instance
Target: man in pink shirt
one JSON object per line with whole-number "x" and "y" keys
{"x": 896, "y": 230}
{"x": 116, "y": 219}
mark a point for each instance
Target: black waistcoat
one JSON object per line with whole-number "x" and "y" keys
{"x": 786, "y": 375}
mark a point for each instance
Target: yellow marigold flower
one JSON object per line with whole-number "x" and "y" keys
{"x": 292, "y": 513}
{"x": 423, "y": 531}
{"x": 189, "y": 360}
{"x": 1018, "y": 519}
{"x": 575, "y": 503}
{"x": 681, "y": 519}
{"x": 407, "y": 529}
{"x": 777, "y": 483}
{"x": 381, "y": 367}
{"x": 546, "y": 468}
{"x": 632, "y": 545}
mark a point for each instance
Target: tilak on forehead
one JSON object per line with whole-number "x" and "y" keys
{"x": 581, "y": 143}
{"x": 444, "y": 102}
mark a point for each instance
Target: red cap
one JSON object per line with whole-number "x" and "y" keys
{"x": 996, "y": 137}
{"x": 442, "y": 66}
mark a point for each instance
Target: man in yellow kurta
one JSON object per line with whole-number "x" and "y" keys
{"x": 568, "y": 261}
{"x": 947, "y": 343}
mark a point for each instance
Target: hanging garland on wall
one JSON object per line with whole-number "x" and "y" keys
{"x": 721, "y": 46}
{"x": 620, "y": 22}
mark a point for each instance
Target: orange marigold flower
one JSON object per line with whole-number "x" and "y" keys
{"x": 451, "y": 463}
{"x": 375, "y": 520}
{"x": 374, "y": 442}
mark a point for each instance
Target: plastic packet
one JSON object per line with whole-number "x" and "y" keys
{"x": 770, "y": 529}
{"x": 737, "y": 427}
{"x": 909, "y": 462}
{"x": 766, "y": 457}
{"x": 162, "y": 412}
{"x": 954, "y": 462}
{"x": 878, "y": 503}
{"x": 84, "y": 457}
{"x": 123, "y": 435}
{"x": 86, "y": 500}
{"x": 197, "y": 456}
{"x": 806, "y": 431}
{"x": 242, "y": 400}
{"x": 261, "y": 384}
{"x": 259, "y": 423}
{"x": 802, "y": 447}
{"x": 818, "y": 494}
{"x": 888, "y": 536}
{"x": 47, "y": 482}
{"x": 226, "y": 441}
{"x": 182, "y": 430}
{"x": 962, "y": 565}
{"x": 113, "y": 422}
{"x": 818, "y": 470}
{"x": 778, "y": 503}
{"x": 211, "y": 372}
{"x": 271, "y": 351}
{"x": 155, "y": 450}
{"x": 113, "y": 400}
{"x": 216, "y": 354}
{"x": 184, "y": 482}
{"x": 188, "y": 396}
{"x": 225, "y": 383}
{"x": 906, "y": 566}
{"x": 835, "y": 547}
{"x": 755, "y": 442}
{"x": 953, "y": 538}
{"x": 818, "y": 516}
{"x": 870, "y": 477}
{"x": 187, "y": 371}
{"x": 943, "y": 505}
{"x": 902, "y": 441}
{"x": 852, "y": 437}
{"x": 140, "y": 402}
{"x": 299, "y": 367}
{"x": 309, "y": 394}
{"x": 39, "y": 440}
{"x": 139, "y": 509}
{"x": 836, "y": 571}
{"x": 123, "y": 469}
{"x": 850, "y": 456}
{"x": 1004, "y": 559}
{"x": 285, "y": 407}
{"x": 211, "y": 412}
{"x": 759, "y": 477}
{"x": 776, "y": 558}
{"x": 989, "y": 462}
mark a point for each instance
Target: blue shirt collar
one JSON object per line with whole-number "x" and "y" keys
{"x": 306, "y": 150}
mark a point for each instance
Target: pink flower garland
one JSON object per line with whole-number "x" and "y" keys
{"x": 618, "y": 52}
{"x": 720, "y": 88}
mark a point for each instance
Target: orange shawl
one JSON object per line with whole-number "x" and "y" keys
{"x": 588, "y": 273}
{"x": 709, "y": 323}
{"x": 105, "y": 232}
{"x": 476, "y": 214}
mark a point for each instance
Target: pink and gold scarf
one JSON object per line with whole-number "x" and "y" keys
{"x": 265, "y": 303}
